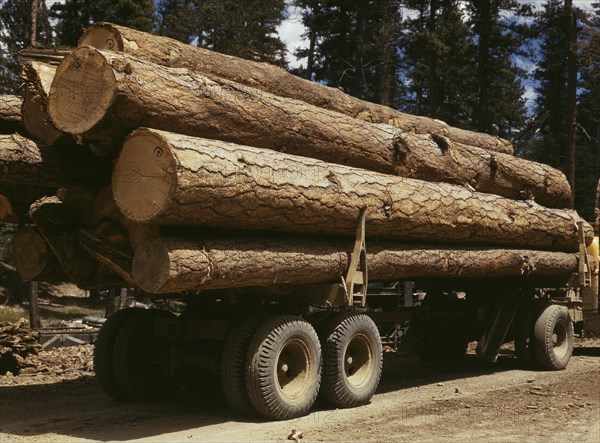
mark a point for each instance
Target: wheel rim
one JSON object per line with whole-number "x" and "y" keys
{"x": 560, "y": 342}
{"x": 358, "y": 361}
{"x": 293, "y": 369}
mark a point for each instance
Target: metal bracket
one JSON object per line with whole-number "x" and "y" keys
{"x": 357, "y": 275}
{"x": 585, "y": 270}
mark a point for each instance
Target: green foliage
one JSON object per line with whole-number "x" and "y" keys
{"x": 438, "y": 60}
{"x": 137, "y": 14}
{"x": 588, "y": 109}
{"x": 15, "y": 34}
{"x": 354, "y": 43}
{"x": 177, "y": 19}
{"x": 498, "y": 106}
{"x": 245, "y": 29}
{"x": 72, "y": 18}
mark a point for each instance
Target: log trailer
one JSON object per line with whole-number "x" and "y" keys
{"x": 277, "y": 348}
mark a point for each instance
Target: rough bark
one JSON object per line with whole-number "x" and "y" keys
{"x": 164, "y": 265}
{"x": 24, "y": 161}
{"x": 57, "y": 226}
{"x": 33, "y": 258}
{"x": 116, "y": 93}
{"x": 38, "y": 78}
{"x": 171, "y": 53}
{"x": 167, "y": 178}
{"x": 10, "y": 114}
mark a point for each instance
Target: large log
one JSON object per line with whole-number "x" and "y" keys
{"x": 38, "y": 78}
{"x": 164, "y": 265}
{"x": 33, "y": 258}
{"x": 171, "y": 53}
{"x": 102, "y": 95}
{"x": 11, "y": 119}
{"x": 167, "y": 178}
{"x": 24, "y": 161}
{"x": 58, "y": 227}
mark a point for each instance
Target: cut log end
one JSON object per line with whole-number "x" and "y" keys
{"x": 144, "y": 178}
{"x": 102, "y": 36}
{"x": 30, "y": 253}
{"x": 83, "y": 89}
{"x": 151, "y": 266}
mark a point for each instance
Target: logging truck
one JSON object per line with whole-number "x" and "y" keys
{"x": 285, "y": 215}
{"x": 277, "y": 347}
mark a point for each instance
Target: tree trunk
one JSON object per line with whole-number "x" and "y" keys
{"x": 38, "y": 78}
{"x": 167, "y": 178}
{"x": 165, "y": 265}
{"x": 168, "y": 52}
{"x": 570, "y": 26}
{"x": 33, "y": 258}
{"x": 57, "y": 226}
{"x": 10, "y": 114}
{"x": 142, "y": 94}
{"x": 24, "y": 161}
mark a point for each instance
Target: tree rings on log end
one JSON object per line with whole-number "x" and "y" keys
{"x": 144, "y": 179}
{"x": 102, "y": 36}
{"x": 83, "y": 89}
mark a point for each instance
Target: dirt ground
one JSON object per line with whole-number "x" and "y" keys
{"x": 58, "y": 399}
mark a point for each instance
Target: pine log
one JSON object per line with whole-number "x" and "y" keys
{"x": 49, "y": 56}
{"x": 10, "y": 114}
{"x": 102, "y": 95}
{"x": 38, "y": 78}
{"x": 33, "y": 258}
{"x": 164, "y": 265}
{"x": 58, "y": 227}
{"x": 171, "y": 53}
{"x": 167, "y": 178}
{"x": 24, "y": 161}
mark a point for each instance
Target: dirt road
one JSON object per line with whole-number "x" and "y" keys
{"x": 416, "y": 402}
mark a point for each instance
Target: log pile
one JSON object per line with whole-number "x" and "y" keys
{"x": 230, "y": 173}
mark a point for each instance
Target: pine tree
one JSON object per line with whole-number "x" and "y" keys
{"x": 245, "y": 29}
{"x": 72, "y": 17}
{"x": 15, "y": 34}
{"x": 551, "y": 76}
{"x": 176, "y": 19}
{"x": 438, "y": 54}
{"x": 137, "y": 14}
{"x": 353, "y": 45}
{"x": 498, "y": 105}
{"x": 588, "y": 115}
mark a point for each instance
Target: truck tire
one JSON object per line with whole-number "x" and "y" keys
{"x": 553, "y": 338}
{"x": 233, "y": 364}
{"x": 137, "y": 374}
{"x": 103, "y": 352}
{"x": 352, "y": 360}
{"x": 283, "y": 374}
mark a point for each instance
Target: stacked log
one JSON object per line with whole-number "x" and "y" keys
{"x": 171, "y": 53}
{"x": 100, "y": 96}
{"x": 10, "y": 114}
{"x": 238, "y": 174}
